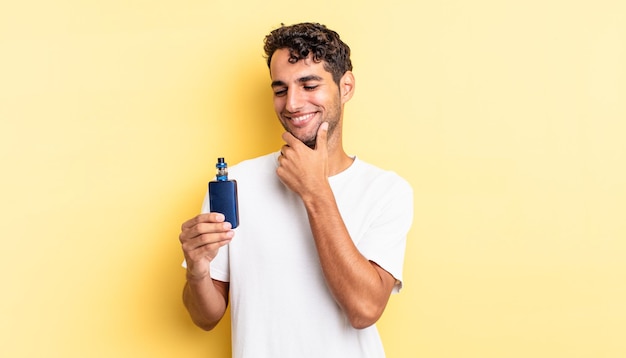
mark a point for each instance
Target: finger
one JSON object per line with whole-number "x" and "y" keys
{"x": 203, "y": 228}
{"x": 322, "y": 136}
{"x": 210, "y": 249}
{"x": 213, "y": 238}
{"x": 291, "y": 140}
{"x": 203, "y": 218}
{"x": 203, "y": 251}
{"x": 207, "y": 238}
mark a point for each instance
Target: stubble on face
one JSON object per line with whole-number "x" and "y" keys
{"x": 311, "y": 141}
{"x": 326, "y": 105}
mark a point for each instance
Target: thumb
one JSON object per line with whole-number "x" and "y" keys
{"x": 322, "y": 136}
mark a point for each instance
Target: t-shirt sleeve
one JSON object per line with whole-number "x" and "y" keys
{"x": 384, "y": 242}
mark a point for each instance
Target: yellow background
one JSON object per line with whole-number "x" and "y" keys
{"x": 507, "y": 117}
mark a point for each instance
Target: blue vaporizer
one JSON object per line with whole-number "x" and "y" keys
{"x": 223, "y": 194}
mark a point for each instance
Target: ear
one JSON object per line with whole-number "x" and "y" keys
{"x": 346, "y": 86}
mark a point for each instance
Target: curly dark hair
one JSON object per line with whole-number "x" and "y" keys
{"x": 311, "y": 38}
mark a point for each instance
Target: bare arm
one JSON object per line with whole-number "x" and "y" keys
{"x": 201, "y": 237}
{"x": 206, "y": 301}
{"x": 360, "y": 287}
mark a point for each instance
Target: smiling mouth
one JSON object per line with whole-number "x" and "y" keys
{"x": 302, "y": 118}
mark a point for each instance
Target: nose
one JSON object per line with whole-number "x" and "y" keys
{"x": 294, "y": 101}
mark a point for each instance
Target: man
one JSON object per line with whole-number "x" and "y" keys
{"x": 320, "y": 245}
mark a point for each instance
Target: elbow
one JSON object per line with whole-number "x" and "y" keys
{"x": 203, "y": 322}
{"x": 365, "y": 316}
{"x": 205, "y": 326}
{"x": 361, "y": 323}
{"x": 202, "y": 313}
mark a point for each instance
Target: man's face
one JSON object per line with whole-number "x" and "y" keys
{"x": 305, "y": 96}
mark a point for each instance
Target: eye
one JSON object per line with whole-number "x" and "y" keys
{"x": 310, "y": 88}
{"x": 280, "y": 92}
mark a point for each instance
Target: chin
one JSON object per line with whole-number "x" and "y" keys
{"x": 309, "y": 140}
{"x": 310, "y": 143}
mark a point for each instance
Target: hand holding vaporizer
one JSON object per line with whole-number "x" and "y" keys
{"x": 223, "y": 194}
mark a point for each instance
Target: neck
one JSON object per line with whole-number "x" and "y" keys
{"x": 338, "y": 159}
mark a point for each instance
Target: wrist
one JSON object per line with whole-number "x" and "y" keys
{"x": 317, "y": 193}
{"x": 319, "y": 201}
{"x": 197, "y": 277}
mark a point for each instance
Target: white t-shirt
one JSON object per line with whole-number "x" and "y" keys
{"x": 280, "y": 304}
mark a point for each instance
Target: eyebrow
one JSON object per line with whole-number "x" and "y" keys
{"x": 300, "y": 80}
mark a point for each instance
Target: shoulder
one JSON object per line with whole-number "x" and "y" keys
{"x": 258, "y": 165}
{"x": 377, "y": 176}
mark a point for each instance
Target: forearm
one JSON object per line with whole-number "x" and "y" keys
{"x": 206, "y": 301}
{"x": 360, "y": 287}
